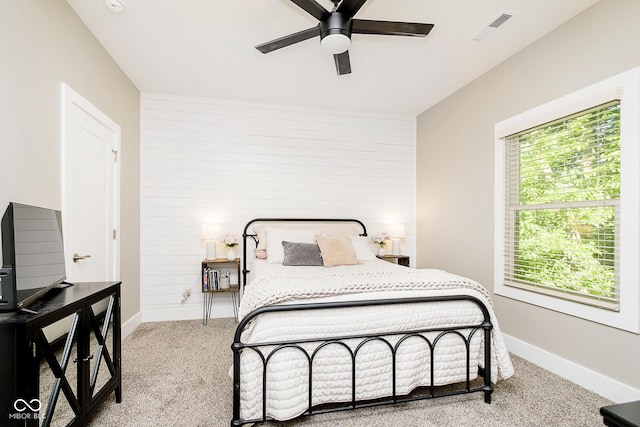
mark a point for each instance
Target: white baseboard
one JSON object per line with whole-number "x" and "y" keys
{"x": 607, "y": 387}
{"x": 183, "y": 313}
{"x": 131, "y": 324}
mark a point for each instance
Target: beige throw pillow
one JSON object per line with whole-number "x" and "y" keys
{"x": 337, "y": 251}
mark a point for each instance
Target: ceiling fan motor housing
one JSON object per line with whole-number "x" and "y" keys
{"x": 336, "y": 23}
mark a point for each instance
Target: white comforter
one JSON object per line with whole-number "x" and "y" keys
{"x": 287, "y": 372}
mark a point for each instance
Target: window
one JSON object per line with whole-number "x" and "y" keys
{"x": 562, "y": 198}
{"x": 567, "y": 204}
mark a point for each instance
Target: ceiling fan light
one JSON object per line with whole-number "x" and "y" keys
{"x": 335, "y": 43}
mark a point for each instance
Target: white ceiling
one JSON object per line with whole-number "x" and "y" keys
{"x": 206, "y": 48}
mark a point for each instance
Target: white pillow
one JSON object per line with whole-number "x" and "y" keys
{"x": 334, "y": 229}
{"x": 275, "y": 237}
{"x": 362, "y": 245}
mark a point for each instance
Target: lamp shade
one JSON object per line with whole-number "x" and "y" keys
{"x": 210, "y": 231}
{"x": 398, "y": 231}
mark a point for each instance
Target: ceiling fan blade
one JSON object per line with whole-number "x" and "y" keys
{"x": 350, "y": 7}
{"x": 343, "y": 65}
{"x": 364, "y": 26}
{"x": 313, "y": 8}
{"x": 289, "y": 40}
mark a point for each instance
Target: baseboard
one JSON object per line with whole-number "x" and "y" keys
{"x": 607, "y": 387}
{"x": 183, "y": 313}
{"x": 131, "y": 324}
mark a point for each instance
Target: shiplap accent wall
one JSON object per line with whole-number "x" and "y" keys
{"x": 207, "y": 160}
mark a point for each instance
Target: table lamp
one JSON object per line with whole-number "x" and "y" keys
{"x": 396, "y": 232}
{"x": 210, "y": 233}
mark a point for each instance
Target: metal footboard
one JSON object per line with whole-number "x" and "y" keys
{"x": 464, "y": 331}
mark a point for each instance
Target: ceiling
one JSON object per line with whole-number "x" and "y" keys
{"x": 206, "y": 48}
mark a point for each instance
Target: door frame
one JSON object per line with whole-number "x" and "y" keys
{"x": 70, "y": 100}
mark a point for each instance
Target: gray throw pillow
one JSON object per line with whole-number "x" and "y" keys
{"x": 301, "y": 254}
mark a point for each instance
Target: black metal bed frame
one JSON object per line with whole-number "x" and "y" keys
{"x": 273, "y": 347}
{"x": 246, "y": 235}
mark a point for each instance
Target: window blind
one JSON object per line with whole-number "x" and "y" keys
{"x": 562, "y": 207}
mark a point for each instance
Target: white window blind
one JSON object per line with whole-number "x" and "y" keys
{"x": 562, "y": 208}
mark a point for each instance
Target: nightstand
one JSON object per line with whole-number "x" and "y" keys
{"x": 396, "y": 259}
{"x": 219, "y": 276}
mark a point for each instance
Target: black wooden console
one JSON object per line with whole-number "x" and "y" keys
{"x": 52, "y": 378}
{"x": 621, "y": 414}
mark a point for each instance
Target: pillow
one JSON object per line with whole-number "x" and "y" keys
{"x": 301, "y": 253}
{"x": 260, "y": 253}
{"x": 362, "y": 246}
{"x": 261, "y": 231}
{"x": 275, "y": 237}
{"x": 341, "y": 229}
{"x": 337, "y": 251}
{"x": 333, "y": 228}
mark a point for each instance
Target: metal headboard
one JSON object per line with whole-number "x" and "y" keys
{"x": 246, "y": 235}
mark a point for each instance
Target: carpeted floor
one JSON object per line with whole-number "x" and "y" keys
{"x": 176, "y": 374}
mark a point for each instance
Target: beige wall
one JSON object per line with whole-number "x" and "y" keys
{"x": 43, "y": 43}
{"x": 456, "y": 165}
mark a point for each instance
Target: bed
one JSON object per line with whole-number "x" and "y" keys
{"x": 360, "y": 332}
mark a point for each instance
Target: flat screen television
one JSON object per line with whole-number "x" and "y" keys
{"x": 32, "y": 254}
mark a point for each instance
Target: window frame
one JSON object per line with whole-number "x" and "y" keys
{"x": 626, "y": 88}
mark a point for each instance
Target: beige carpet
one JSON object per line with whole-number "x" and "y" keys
{"x": 175, "y": 374}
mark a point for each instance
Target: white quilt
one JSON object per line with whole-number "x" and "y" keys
{"x": 287, "y": 371}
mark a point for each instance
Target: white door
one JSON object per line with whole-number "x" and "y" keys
{"x": 90, "y": 190}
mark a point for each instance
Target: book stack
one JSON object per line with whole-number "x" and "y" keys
{"x": 210, "y": 279}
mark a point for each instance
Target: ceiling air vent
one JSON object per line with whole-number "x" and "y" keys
{"x": 115, "y": 6}
{"x": 492, "y": 26}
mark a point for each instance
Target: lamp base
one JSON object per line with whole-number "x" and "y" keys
{"x": 395, "y": 246}
{"x": 211, "y": 250}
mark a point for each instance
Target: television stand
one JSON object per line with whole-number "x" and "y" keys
{"x": 46, "y": 379}
{"x": 63, "y": 285}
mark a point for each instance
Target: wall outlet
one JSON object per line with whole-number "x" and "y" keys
{"x": 186, "y": 294}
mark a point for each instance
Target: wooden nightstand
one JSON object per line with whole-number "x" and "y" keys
{"x": 396, "y": 259}
{"x": 211, "y": 274}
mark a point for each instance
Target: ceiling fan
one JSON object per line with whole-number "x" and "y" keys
{"x": 335, "y": 29}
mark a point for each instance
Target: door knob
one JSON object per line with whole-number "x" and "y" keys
{"x": 76, "y": 257}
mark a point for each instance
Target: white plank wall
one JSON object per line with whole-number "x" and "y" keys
{"x": 207, "y": 160}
